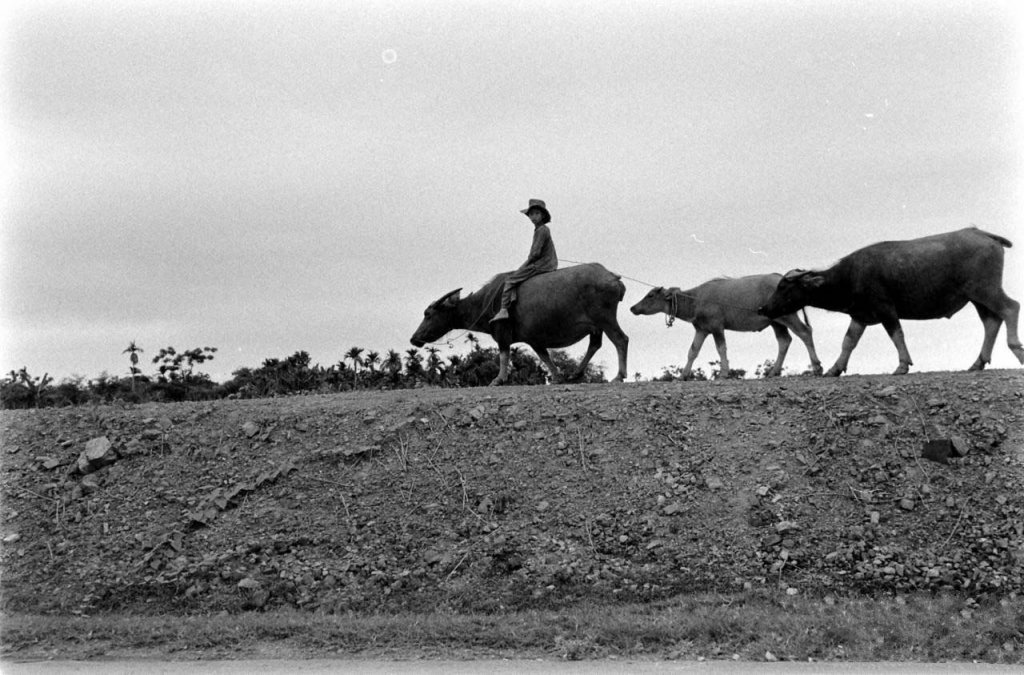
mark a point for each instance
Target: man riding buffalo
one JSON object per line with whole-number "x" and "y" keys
{"x": 553, "y": 308}
{"x": 542, "y": 256}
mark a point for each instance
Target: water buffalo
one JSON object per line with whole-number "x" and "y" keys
{"x": 728, "y": 304}
{"x": 924, "y": 278}
{"x": 554, "y": 310}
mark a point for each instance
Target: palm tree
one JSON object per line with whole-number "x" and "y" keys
{"x": 451, "y": 371}
{"x": 371, "y": 360}
{"x": 354, "y": 355}
{"x": 393, "y": 362}
{"x": 433, "y": 363}
{"x": 473, "y": 340}
{"x": 413, "y": 363}
{"x": 337, "y": 374}
{"x": 133, "y": 350}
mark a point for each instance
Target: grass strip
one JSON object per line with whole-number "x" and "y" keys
{"x": 749, "y": 627}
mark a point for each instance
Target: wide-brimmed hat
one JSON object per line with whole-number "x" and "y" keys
{"x": 538, "y": 204}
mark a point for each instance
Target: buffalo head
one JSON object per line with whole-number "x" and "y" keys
{"x": 795, "y": 291}
{"x": 657, "y": 300}
{"x": 438, "y": 318}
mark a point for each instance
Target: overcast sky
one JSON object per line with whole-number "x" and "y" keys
{"x": 265, "y": 177}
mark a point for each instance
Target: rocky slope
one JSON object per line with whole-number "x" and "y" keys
{"x": 489, "y": 499}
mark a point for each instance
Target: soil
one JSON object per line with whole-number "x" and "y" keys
{"x": 496, "y": 499}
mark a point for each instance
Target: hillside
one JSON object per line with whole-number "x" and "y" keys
{"x": 490, "y": 499}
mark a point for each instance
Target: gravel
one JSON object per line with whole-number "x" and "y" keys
{"x": 520, "y": 497}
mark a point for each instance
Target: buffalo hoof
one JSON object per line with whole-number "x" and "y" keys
{"x": 618, "y": 379}
{"x": 902, "y": 370}
{"x": 817, "y": 370}
{"x": 834, "y": 372}
{"x": 497, "y": 382}
{"x": 977, "y": 365}
{"x": 1018, "y": 351}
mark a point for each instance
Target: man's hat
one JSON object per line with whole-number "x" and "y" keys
{"x": 538, "y": 204}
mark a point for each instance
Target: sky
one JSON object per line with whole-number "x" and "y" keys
{"x": 269, "y": 177}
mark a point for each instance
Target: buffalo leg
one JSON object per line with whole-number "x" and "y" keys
{"x": 698, "y": 342}
{"x": 991, "y": 322}
{"x": 723, "y": 363}
{"x": 1010, "y": 314}
{"x": 802, "y": 331}
{"x": 1006, "y": 310}
{"x": 782, "y": 335}
{"x": 595, "y": 344}
{"x": 502, "y": 367}
{"x": 850, "y": 341}
{"x": 895, "y": 330}
{"x": 545, "y": 357}
{"x": 621, "y": 342}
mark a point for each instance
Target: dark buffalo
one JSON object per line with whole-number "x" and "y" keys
{"x": 728, "y": 304}
{"x": 925, "y": 278}
{"x": 554, "y": 310}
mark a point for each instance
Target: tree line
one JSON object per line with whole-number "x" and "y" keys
{"x": 176, "y": 376}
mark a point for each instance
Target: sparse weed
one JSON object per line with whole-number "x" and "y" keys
{"x": 919, "y": 628}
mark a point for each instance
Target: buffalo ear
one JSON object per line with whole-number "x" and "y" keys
{"x": 793, "y": 274}
{"x": 452, "y": 298}
{"x": 813, "y": 280}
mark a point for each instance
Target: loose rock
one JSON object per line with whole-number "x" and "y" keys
{"x": 98, "y": 453}
{"x": 714, "y": 483}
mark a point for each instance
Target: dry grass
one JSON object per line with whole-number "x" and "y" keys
{"x": 748, "y": 626}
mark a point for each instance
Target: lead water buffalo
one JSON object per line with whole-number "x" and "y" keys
{"x": 925, "y": 278}
{"x": 728, "y": 304}
{"x": 554, "y": 310}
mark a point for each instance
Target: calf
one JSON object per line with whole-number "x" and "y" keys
{"x": 728, "y": 304}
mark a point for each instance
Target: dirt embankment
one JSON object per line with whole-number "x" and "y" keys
{"x": 516, "y": 497}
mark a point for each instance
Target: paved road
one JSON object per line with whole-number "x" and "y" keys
{"x": 503, "y": 667}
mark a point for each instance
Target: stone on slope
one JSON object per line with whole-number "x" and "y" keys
{"x": 98, "y": 453}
